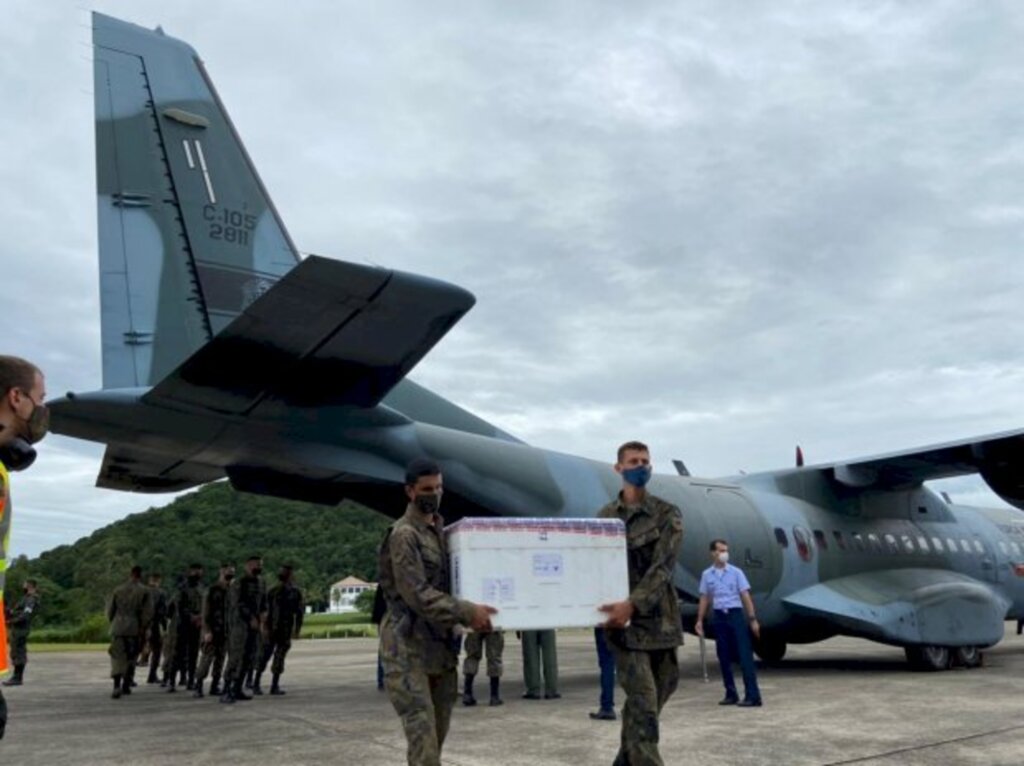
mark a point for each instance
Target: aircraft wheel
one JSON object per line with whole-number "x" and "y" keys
{"x": 968, "y": 656}
{"x": 770, "y": 650}
{"x": 928, "y": 657}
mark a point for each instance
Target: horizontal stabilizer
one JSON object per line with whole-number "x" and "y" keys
{"x": 329, "y": 333}
{"x": 132, "y": 469}
{"x": 908, "y": 606}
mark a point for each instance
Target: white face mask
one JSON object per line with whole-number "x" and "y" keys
{"x": 723, "y": 557}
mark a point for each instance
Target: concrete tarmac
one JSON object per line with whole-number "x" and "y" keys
{"x": 843, "y": 701}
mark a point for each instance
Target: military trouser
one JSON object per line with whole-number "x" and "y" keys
{"x": 193, "y": 636}
{"x": 213, "y": 654}
{"x": 539, "y": 651}
{"x": 649, "y": 678}
{"x": 170, "y": 646}
{"x": 3, "y": 714}
{"x": 19, "y": 648}
{"x": 424, "y": 702}
{"x": 179, "y": 654}
{"x": 154, "y": 644}
{"x": 277, "y": 647}
{"x": 475, "y": 645}
{"x": 123, "y": 651}
{"x": 241, "y": 652}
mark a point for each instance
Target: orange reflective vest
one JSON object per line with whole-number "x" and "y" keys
{"x": 5, "y": 536}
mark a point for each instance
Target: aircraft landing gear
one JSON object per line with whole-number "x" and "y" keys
{"x": 968, "y": 656}
{"x": 770, "y": 649}
{"x": 928, "y": 658}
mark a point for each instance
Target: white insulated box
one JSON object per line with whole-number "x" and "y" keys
{"x": 539, "y": 573}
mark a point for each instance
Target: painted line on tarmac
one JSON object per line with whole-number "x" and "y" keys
{"x": 903, "y": 750}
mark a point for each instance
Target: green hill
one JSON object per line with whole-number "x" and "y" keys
{"x": 212, "y": 524}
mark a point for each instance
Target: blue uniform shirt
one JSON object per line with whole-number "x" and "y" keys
{"x": 723, "y": 586}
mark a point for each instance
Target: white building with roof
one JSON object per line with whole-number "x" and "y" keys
{"x": 344, "y": 594}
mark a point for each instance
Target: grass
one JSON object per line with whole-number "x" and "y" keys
{"x": 51, "y": 648}
{"x": 353, "y": 618}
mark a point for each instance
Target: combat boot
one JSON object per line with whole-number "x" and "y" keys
{"x": 468, "y": 699}
{"x": 16, "y": 679}
{"x": 495, "y": 692}
{"x": 248, "y": 680}
{"x": 182, "y": 680}
{"x": 126, "y": 685}
{"x": 275, "y": 685}
{"x": 228, "y": 697}
{"x": 257, "y": 690}
{"x": 117, "y": 688}
{"x": 215, "y": 687}
{"x": 238, "y": 694}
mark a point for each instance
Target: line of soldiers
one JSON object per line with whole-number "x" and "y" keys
{"x": 237, "y": 623}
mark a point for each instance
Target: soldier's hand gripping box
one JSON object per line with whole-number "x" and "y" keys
{"x": 539, "y": 573}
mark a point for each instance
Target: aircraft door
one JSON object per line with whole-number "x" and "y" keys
{"x": 751, "y": 540}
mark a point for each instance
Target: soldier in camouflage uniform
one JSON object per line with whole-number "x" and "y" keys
{"x": 176, "y": 663}
{"x": 129, "y": 612}
{"x": 155, "y": 638}
{"x": 285, "y": 610}
{"x": 170, "y": 644}
{"x": 215, "y": 630}
{"x": 417, "y": 643}
{"x": 245, "y": 604}
{"x": 494, "y": 643}
{"x": 19, "y": 625}
{"x": 251, "y": 680}
{"x": 192, "y": 629}
{"x": 645, "y": 652}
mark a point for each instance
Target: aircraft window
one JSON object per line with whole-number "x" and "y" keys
{"x": 1016, "y": 548}
{"x": 802, "y": 538}
{"x": 937, "y": 544}
{"x": 858, "y": 541}
{"x": 840, "y": 540}
{"x": 891, "y": 545}
{"x": 876, "y": 544}
{"x": 820, "y": 538}
{"x": 780, "y": 538}
{"x": 1004, "y": 548}
{"x": 978, "y": 546}
{"x": 966, "y": 546}
{"x": 908, "y": 544}
{"x": 951, "y": 544}
{"x": 922, "y": 543}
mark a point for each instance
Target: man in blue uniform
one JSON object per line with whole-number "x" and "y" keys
{"x": 725, "y": 589}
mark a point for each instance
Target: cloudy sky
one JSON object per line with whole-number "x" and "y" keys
{"x": 725, "y": 228}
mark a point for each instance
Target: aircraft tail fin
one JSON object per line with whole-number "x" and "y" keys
{"x": 188, "y": 236}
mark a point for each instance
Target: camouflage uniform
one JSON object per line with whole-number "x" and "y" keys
{"x": 19, "y": 627}
{"x": 645, "y": 652}
{"x": 475, "y": 644}
{"x": 129, "y": 612}
{"x": 192, "y": 603}
{"x": 245, "y": 604}
{"x": 285, "y": 609}
{"x": 156, "y": 628}
{"x": 215, "y": 623}
{"x": 418, "y": 648}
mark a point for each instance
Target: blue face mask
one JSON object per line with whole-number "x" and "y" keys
{"x": 638, "y": 476}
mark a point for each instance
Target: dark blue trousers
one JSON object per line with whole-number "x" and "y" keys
{"x": 606, "y": 660}
{"x": 732, "y": 643}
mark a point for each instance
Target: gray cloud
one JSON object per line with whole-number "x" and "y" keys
{"x": 725, "y": 230}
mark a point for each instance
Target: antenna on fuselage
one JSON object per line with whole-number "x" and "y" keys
{"x": 681, "y": 468}
{"x": 799, "y": 457}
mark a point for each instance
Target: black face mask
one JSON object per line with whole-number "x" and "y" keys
{"x": 428, "y": 502}
{"x": 257, "y": 570}
{"x": 18, "y": 454}
{"x": 229, "y": 577}
{"x": 193, "y": 579}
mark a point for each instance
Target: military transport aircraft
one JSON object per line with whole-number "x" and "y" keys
{"x": 226, "y": 355}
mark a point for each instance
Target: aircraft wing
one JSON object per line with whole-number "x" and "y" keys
{"x": 133, "y": 469}
{"x": 908, "y": 606}
{"x": 327, "y": 333}
{"x": 999, "y": 458}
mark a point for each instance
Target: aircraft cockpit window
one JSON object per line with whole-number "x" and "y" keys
{"x": 780, "y": 537}
{"x": 840, "y": 540}
{"x": 978, "y": 546}
{"x": 876, "y": 544}
{"x": 922, "y": 543}
{"x": 891, "y": 545}
{"x": 937, "y": 544}
{"x": 820, "y": 538}
{"x": 1016, "y": 549}
{"x": 966, "y": 546}
{"x": 802, "y": 539}
{"x": 951, "y": 544}
{"x": 858, "y": 541}
{"x": 908, "y": 544}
